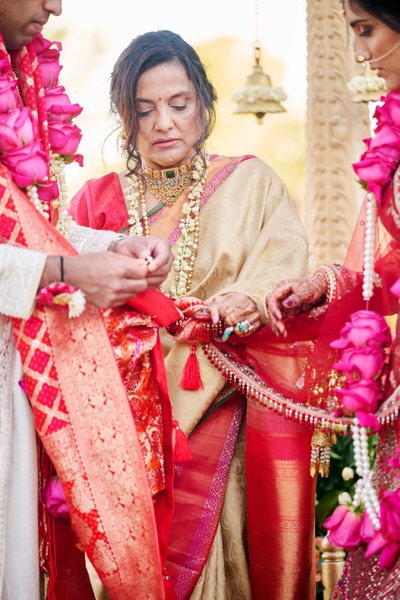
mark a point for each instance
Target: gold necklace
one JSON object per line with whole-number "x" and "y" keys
{"x": 186, "y": 254}
{"x": 167, "y": 185}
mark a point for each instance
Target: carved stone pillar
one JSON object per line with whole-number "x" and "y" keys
{"x": 335, "y": 128}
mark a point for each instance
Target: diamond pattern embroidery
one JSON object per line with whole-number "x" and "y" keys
{"x": 40, "y": 376}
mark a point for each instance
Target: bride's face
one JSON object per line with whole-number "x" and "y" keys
{"x": 376, "y": 42}
{"x": 167, "y": 110}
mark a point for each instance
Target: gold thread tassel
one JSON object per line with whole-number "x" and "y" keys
{"x": 320, "y": 453}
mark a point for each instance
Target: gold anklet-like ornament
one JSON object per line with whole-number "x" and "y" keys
{"x": 186, "y": 254}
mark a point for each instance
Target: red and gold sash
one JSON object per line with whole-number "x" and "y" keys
{"x": 83, "y": 419}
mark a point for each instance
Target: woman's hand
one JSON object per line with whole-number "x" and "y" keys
{"x": 237, "y": 311}
{"x": 294, "y": 296}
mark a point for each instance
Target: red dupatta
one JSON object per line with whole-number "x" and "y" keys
{"x": 84, "y": 422}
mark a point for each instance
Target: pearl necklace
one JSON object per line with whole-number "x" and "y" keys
{"x": 184, "y": 261}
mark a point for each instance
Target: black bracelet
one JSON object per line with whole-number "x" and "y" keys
{"x": 62, "y": 269}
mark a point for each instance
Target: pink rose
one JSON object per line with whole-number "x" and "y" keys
{"x": 395, "y": 460}
{"x": 50, "y": 68}
{"x": 17, "y": 128}
{"x": 59, "y": 106}
{"x": 388, "y": 112}
{"x": 365, "y": 327}
{"x": 40, "y": 44}
{"x": 386, "y": 142}
{"x": 390, "y": 515}
{"x": 361, "y": 363}
{"x": 387, "y": 539}
{"x": 54, "y": 499}
{"x": 8, "y": 95}
{"x": 28, "y": 164}
{"x": 48, "y": 191}
{"x": 367, "y": 530}
{"x": 343, "y": 528}
{"x": 361, "y": 395}
{"x": 4, "y": 67}
{"x": 64, "y": 138}
{"x": 395, "y": 289}
{"x": 366, "y": 419}
{"x": 389, "y": 550}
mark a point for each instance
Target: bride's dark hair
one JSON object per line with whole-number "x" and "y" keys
{"x": 387, "y": 11}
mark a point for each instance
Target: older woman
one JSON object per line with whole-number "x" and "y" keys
{"x": 373, "y": 569}
{"x": 235, "y": 234}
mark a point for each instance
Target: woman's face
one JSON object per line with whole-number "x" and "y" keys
{"x": 372, "y": 40}
{"x": 167, "y": 110}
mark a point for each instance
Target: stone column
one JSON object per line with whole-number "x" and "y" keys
{"x": 335, "y": 128}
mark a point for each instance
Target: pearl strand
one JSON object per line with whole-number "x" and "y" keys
{"x": 365, "y": 492}
{"x": 40, "y": 206}
{"x": 369, "y": 248}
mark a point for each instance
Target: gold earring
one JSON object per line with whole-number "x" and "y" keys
{"x": 361, "y": 59}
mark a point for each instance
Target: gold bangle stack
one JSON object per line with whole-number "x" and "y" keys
{"x": 329, "y": 275}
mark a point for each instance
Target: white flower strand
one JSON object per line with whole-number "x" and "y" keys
{"x": 365, "y": 492}
{"x": 369, "y": 247}
{"x": 183, "y": 264}
{"x": 64, "y": 218}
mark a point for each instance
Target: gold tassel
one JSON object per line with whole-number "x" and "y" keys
{"x": 321, "y": 452}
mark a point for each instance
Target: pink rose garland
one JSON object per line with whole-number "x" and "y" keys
{"x": 364, "y": 346}
{"x": 20, "y": 148}
{"x": 363, "y": 343}
{"x": 379, "y": 162}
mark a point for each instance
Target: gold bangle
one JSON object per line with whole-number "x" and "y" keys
{"x": 329, "y": 276}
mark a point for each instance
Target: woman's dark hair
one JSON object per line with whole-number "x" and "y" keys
{"x": 387, "y": 11}
{"x": 143, "y": 53}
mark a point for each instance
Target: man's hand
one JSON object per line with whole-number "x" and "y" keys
{"x": 107, "y": 279}
{"x": 154, "y": 250}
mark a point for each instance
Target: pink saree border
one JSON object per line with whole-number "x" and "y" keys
{"x": 203, "y": 536}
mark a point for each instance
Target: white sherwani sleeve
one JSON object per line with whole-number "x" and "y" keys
{"x": 21, "y": 269}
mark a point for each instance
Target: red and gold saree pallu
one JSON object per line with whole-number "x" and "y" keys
{"x": 83, "y": 419}
{"x": 199, "y": 491}
{"x": 280, "y": 506}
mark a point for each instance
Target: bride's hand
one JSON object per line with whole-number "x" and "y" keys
{"x": 294, "y": 296}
